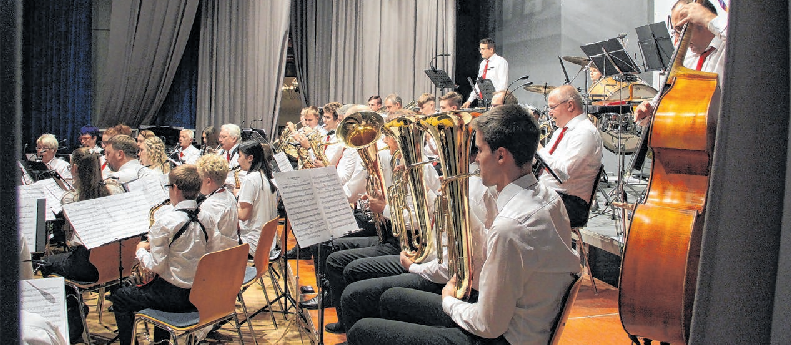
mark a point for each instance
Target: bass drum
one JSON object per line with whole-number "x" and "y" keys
{"x": 611, "y": 91}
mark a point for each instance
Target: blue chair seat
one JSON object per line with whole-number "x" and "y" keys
{"x": 179, "y": 320}
{"x": 250, "y": 273}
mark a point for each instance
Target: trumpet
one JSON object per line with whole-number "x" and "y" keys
{"x": 361, "y": 131}
{"x": 416, "y": 235}
{"x": 451, "y": 132}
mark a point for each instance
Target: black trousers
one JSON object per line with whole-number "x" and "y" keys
{"x": 158, "y": 294}
{"x": 347, "y": 250}
{"x": 413, "y": 317}
{"x": 576, "y": 208}
{"x": 361, "y": 298}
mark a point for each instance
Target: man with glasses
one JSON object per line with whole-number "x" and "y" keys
{"x": 574, "y": 153}
{"x": 493, "y": 67}
{"x": 706, "y": 51}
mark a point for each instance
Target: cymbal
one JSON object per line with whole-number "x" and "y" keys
{"x": 542, "y": 89}
{"x": 578, "y": 60}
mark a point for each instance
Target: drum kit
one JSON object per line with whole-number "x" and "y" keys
{"x": 609, "y": 103}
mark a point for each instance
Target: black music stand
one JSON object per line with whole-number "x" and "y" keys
{"x": 440, "y": 78}
{"x": 610, "y": 57}
{"x": 655, "y": 46}
{"x": 486, "y": 88}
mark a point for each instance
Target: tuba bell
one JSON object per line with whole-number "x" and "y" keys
{"x": 452, "y": 210}
{"x": 416, "y": 235}
{"x": 361, "y": 131}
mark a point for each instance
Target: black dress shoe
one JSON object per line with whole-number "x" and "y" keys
{"x": 304, "y": 254}
{"x": 313, "y": 303}
{"x": 335, "y": 328}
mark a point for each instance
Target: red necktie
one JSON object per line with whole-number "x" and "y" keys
{"x": 228, "y": 156}
{"x": 483, "y": 76}
{"x": 181, "y": 154}
{"x": 703, "y": 57}
{"x": 560, "y": 137}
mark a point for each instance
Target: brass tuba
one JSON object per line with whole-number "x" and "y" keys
{"x": 361, "y": 131}
{"x": 452, "y": 211}
{"x": 416, "y": 237}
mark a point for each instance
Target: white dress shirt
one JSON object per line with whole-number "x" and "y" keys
{"x": 335, "y": 149}
{"x": 176, "y": 263}
{"x": 130, "y": 171}
{"x": 497, "y": 73}
{"x": 61, "y": 167}
{"x": 189, "y": 155}
{"x": 576, "y": 160}
{"x": 220, "y": 213}
{"x": 528, "y": 268}
{"x": 255, "y": 191}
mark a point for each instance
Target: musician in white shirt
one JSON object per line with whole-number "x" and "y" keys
{"x": 177, "y": 240}
{"x": 188, "y": 154}
{"x": 121, "y": 155}
{"x": 230, "y": 136}
{"x": 219, "y": 211}
{"x": 46, "y": 147}
{"x": 258, "y": 193}
{"x": 529, "y": 263}
{"x": 493, "y": 67}
{"x": 88, "y": 137}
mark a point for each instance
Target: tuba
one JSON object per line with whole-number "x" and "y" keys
{"x": 416, "y": 235}
{"x": 452, "y": 210}
{"x": 361, "y": 131}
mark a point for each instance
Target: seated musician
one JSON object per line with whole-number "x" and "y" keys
{"x": 375, "y": 103}
{"x": 258, "y": 193}
{"x": 706, "y": 51}
{"x": 209, "y": 140}
{"x": 176, "y": 242}
{"x": 219, "y": 208}
{"x": 230, "y": 137}
{"x": 426, "y": 104}
{"x": 368, "y": 278}
{"x": 451, "y": 101}
{"x": 393, "y": 102}
{"x": 106, "y": 136}
{"x": 75, "y": 264}
{"x": 142, "y": 135}
{"x": 594, "y": 73}
{"x": 152, "y": 155}
{"x": 46, "y": 147}
{"x": 121, "y": 155}
{"x": 311, "y": 120}
{"x": 89, "y": 135}
{"x": 574, "y": 153}
{"x": 333, "y": 148}
{"x": 529, "y": 262}
{"x": 187, "y": 153}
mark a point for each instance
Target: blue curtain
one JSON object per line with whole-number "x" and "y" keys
{"x": 56, "y": 70}
{"x": 180, "y": 105}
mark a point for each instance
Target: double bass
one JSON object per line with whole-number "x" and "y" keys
{"x": 660, "y": 260}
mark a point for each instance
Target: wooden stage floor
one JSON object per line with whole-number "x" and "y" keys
{"x": 593, "y": 320}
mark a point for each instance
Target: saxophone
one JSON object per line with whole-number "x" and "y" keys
{"x": 416, "y": 236}
{"x": 140, "y": 275}
{"x": 452, "y": 210}
{"x": 361, "y": 131}
{"x": 236, "y": 181}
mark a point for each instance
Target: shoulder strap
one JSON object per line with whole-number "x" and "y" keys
{"x": 192, "y": 216}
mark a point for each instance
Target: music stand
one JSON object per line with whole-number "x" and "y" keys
{"x": 610, "y": 57}
{"x": 440, "y": 78}
{"x": 486, "y": 88}
{"x": 655, "y": 46}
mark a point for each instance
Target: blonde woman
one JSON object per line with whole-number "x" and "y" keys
{"x": 152, "y": 155}
{"x": 142, "y": 135}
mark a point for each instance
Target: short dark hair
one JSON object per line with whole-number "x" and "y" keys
{"x": 262, "y": 159}
{"x": 375, "y": 98}
{"x": 332, "y": 108}
{"x": 706, "y": 3}
{"x": 91, "y": 130}
{"x": 453, "y": 97}
{"x": 510, "y": 127}
{"x": 489, "y": 42}
{"x": 187, "y": 179}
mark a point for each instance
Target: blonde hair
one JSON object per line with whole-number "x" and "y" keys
{"x": 156, "y": 153}
{"x": 48, "y": 140}
{"x": 214, "y": 167}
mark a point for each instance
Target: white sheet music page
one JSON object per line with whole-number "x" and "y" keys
{"x": 53, "y": 192}
{"x": 108, "y": 219}
{"x": 282, "y": 162}
{"x": 34, "y": 192}
{"x": 27, "y": 210}
{"x": 152, "y": 188}
{"x": 316, "y": 205}
{"x": 46, "y": 297}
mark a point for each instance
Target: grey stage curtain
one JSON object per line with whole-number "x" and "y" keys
{"x": 147, "y": 40}
{"x": 241, "y": 62}
{"x": 372, "y": 47}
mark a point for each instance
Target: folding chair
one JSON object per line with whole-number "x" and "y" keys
{"x": 214, "y": 290}
{"x": 106, "y": 260}
{"x": 576, "y": 230}
{"x": 565, "y": 309}
{"x": 253, "y": 274}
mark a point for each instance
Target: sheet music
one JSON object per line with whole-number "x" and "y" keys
{"x": 316, "y": 205}
{"x": 152, "y": 188}
{"x": 108, "y": 219}
{"x": 34, "y": 191}
{"x": 282, "y": 162}
{"x": 47, "y": 298}
{"x": 27, "y": 211}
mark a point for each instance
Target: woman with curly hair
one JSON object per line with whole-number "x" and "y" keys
{"x": 152, "y": 155}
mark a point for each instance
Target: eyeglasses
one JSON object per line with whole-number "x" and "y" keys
{"x": 168, "y": 186}
{"x": 43, "y": 149}
{"x": 552, "y": 107}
